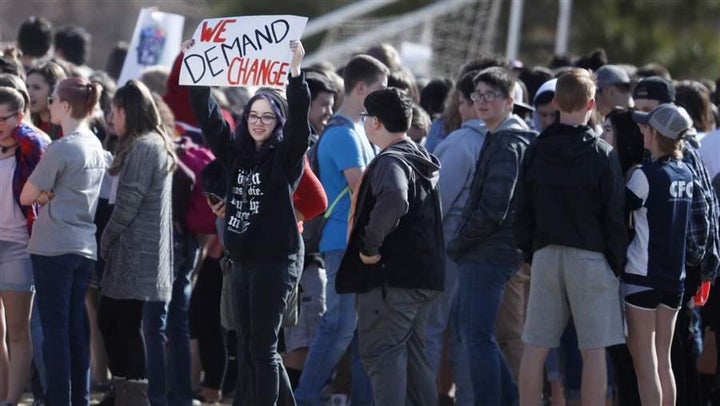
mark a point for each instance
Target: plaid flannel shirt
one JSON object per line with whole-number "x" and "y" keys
{"x": 31, "y": 145}
{"x": 702, "y": 234}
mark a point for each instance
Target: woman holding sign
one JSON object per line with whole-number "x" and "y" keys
{"x": 263, "y": 162}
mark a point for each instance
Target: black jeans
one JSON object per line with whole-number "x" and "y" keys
{"x": 205, "y": 322}
{"x": 120, "y": 322}
{"x": 261, "y": 289}
{"x": 684, "y": 359}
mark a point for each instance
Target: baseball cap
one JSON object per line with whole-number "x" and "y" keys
{"x": 519, "y": 106}
{"x": 546, "y": 87}
{"x": 670, "y": 120}
{"x": 655, "y": 88}
{"x": 611, "y": 75}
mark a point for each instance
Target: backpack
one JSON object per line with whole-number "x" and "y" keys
{"x": 313, "y": 229}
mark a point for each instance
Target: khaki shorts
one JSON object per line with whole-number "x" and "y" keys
{"x": 567, "y": 281}
{"x": 313, "y": 285}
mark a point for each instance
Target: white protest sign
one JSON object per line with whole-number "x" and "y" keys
{"x": 155, "y": 41}
{"x": 242, "y": 51}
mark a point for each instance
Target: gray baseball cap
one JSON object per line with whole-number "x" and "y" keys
{"x": 670, "y": 120}
{"x": 611, "y": 75}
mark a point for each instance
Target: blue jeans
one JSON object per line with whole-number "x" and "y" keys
{"x": 441, "y": 318}
{"x": 37, "y": 342}
{"x": 335, "y": 333}
{"x": 153, "y": 325}
{"x": 261, "y": 290}
{"x": 61, "y": 283}
{"x": 480, "y": 292}
{"x": 167, "y": 335}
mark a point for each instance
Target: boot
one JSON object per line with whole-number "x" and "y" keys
{"x": 130, "y": 392}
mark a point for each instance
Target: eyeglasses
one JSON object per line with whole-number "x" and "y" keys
{"x": 265, "y": 119}
{"x": 3, "y": 120}
{"x": 364, "y": 116}
{"x": 489, "y": 97}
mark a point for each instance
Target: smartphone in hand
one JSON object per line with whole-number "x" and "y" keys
{"x": 214, "y": 199}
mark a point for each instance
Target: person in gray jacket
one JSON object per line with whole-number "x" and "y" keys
{"x": 457, "y": 154}
{"x": 483, "y": 244}
{"x": 137, "y": 241}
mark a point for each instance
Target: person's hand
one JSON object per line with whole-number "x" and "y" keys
{"x": 298, "y": 52}
{"x": 44, "y": 198}
{"x": 218, "y": 208}
{"x": 187, "y": 45}
{"x": 299, "y": 216}
{"x": 370, "y": 260}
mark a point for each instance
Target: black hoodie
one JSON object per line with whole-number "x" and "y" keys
{"x": 398, "y": 216}
{"x": 260, "y": 221}
{"x": 570, "y": 193}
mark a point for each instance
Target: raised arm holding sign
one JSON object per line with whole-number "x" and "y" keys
{"x": 241, "y": 51}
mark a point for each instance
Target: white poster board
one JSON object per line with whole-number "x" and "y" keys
{"x": 155, "y": 41}
{"x": 242, "y": 51}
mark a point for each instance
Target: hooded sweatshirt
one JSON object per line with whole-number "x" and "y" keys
{"x": 571, "y": 193}
{"x": 397, "y": 216}
{"x": 458, "y": 154}
{"x": 260, "y": 221}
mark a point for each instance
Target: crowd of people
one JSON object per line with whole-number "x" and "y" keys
{"x": 510, "y": 235}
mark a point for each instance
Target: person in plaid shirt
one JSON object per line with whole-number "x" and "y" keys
{"x": 21, "y": 147}
{"x": 702, "y": 231}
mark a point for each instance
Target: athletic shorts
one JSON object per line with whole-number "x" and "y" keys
{"x": 649, "y": 298}
{"x": 567, "y": 281}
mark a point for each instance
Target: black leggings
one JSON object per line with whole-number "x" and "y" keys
{"x": 120, "y": 322}
{"x": 205, "y": 322}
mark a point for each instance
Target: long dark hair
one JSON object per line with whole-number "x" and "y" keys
{"x": 628, "y": 138}
{"x": 247, "y": 155}
{"x": 141, "y": 117}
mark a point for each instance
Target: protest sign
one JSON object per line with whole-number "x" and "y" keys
{"x": 155, "y": 41}
{"x": 242, "y": 51}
